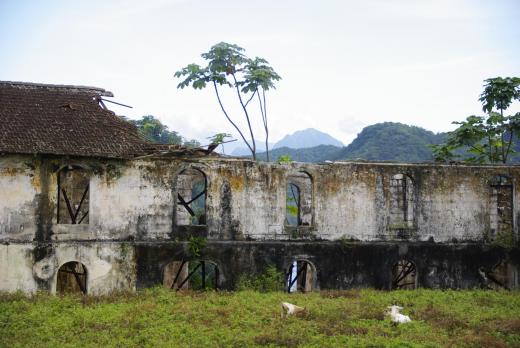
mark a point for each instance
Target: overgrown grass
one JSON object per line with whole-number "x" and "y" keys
{"x": 161, "y": 318}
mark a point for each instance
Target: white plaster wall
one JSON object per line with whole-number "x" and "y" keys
{"x": 263, "y": 217}
{"x": 16, "y": 264}
{"x": 349, "y": 212}
{"x": 18, "y": 189}
{"x": 128, "y": 205}
{"x": 453, "y": 217}
{"x": 110, "y": 266}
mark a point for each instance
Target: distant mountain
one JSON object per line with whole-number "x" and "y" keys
{"x": 380, "y": 142}
{"x": 307, "y": 138}
{"x": 240, "y": 148}
{"x": 240, "y": 151}
{"x": 390, "y": 141}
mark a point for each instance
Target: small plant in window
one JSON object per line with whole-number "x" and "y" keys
{"x": 292, "y": 205}
{"x": 196, "y": 245}
{"x": 343, "y": 243}
{"x": 199, "y": 217}
{"x": 191, "y": 197}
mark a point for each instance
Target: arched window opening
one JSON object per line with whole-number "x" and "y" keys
{"x": 504, "y": 275}
{"x": 292, "y": 205}
{"x": 193, "y": 275}
{"x": 300, "y": 276}
{"x": 73, "y": 196}
{"x": 191, "y": 197}
{"x": 72, "y": 278}
{"x": 402, "y": 202}
{"x": 501, "y": 212}
{"x": 298, "y": 205}
{"x": 404, "y": 275}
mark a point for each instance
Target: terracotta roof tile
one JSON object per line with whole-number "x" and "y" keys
{"x": 63, "y": 120}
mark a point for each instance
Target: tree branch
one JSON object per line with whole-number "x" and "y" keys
{"x": 509, "y": 145}
{"x": 481, "y": 152}
{"x": 253, "y": 150}
{"x": 251, "y": 97}
{"x": 263, "y": 111}
{"x": 502, "y": 137}
{"x": 503, "y": 147}
{"x": 229, "y": 119}
{"x": 490, "y": 155}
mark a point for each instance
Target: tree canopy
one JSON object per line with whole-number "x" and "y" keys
{"x": 489, "y": 138}
{"x": 155, "y": 131}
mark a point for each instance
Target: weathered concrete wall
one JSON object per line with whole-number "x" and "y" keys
{"x": 130, "y": 265}
{"x": 338, "y": 265}
{"x": 16, "y": 263}
{"x": 134, "y": 202}
{"x": 20, "y": 187}
{"x": 29, "y": 267}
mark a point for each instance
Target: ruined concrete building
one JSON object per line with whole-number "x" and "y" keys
{"x": 86, "y": 205}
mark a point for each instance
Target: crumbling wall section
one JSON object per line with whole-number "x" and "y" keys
{"x": 138, "y": 200}
{"x": 30, "y": 267}
{"x": 338, "y": 265}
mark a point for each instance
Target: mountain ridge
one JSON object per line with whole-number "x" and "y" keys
{"x": 305, "y": 138}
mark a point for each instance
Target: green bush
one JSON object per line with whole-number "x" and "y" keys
{"x": 269, "y": 281}
{"x": 196, "y": 244}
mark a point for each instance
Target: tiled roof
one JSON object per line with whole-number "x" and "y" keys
{"x": 63, "y": 120}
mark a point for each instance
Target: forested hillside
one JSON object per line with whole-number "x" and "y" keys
{"x": 380, "y": 142}
{"x": 392, "y": 142}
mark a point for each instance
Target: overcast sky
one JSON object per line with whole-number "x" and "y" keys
{"x": 344, "y": 64}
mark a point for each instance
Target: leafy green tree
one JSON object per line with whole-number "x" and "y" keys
{"x": 153, "y": 130}
{"x": 487, "y": 139}
{"x": 228, "y": 66}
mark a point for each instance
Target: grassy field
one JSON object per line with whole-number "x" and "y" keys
{"x": 162, "y": 318}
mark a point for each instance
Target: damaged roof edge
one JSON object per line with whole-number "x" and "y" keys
{"x": 74, "y": 88}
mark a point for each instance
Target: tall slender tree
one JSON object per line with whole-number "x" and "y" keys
{"x": 228, "y": 66}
